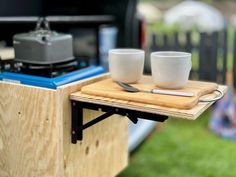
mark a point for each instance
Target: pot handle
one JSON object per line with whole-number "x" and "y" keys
{"x": 219, "y": 96}
{"x": 42, "y": 23}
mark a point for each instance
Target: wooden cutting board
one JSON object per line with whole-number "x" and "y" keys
{"x": 109, "y": 89}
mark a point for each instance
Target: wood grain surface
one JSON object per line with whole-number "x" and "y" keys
{"x": 35, "y": 135}
{"x": 29, "y": 132}
{"x": 104, "y": 149}
{"x": 109, "y": 89}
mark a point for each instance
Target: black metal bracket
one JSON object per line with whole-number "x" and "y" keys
{"x": 77, "y": 116}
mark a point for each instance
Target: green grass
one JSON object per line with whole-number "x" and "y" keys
{"x": 182, "y": 148}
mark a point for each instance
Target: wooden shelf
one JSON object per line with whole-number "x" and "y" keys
{"x": 190, "y": 114}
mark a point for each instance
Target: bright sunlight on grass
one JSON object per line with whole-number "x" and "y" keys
{"x": 182, "y": 148}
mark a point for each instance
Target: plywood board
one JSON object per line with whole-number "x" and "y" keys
{"x": 104, "y": 149}
{"x": 35, "y": 135}
{"x": 190, "y": 114}
{"x": 30, "y": 132}
{"x": 109, "y": 89}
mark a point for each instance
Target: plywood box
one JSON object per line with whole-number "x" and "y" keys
{"x": 35, "y": 135}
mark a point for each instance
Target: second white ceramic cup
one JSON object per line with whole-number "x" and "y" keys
{"x": 170, "y": 69}
{"x": 126, "y": 65}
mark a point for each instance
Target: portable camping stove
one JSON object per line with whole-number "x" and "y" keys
{"x": 48, "y": 76}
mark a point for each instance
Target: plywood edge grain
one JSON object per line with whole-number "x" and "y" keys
{"x": 59, "y": 115}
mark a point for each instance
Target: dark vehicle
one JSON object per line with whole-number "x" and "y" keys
{"x": 72, "y": 16}
{"x": 84, "y": 20}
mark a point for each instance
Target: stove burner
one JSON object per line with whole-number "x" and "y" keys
{"x": 50, "y": 70}
{"x": 44, "y": 70}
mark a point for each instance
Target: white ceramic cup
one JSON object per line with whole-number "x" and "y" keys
{"x": 170, "y": 69}
{"x": 126, "y": 65}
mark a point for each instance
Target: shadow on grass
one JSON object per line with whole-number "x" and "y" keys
{"x": 183, "y": 148}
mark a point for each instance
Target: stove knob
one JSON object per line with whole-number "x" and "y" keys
{"x": 44, "y": 38}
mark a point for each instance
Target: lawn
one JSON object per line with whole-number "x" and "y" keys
{"x": 182, "y": 148}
